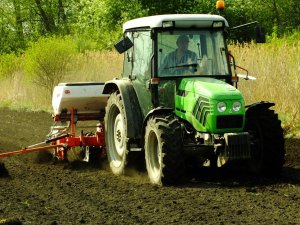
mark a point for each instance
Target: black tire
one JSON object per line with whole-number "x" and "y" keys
{"x": 266, "y": 142}
{"x": 116, "y": 134}
{"x": 163, "y": 150}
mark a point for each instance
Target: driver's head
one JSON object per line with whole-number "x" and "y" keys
{"x": 182, "y": 42}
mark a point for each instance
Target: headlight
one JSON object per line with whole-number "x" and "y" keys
{"x": 221, "y": 106}
{"x": 236, "y": 106}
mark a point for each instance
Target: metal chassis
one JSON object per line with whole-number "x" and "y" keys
{"x": 65, "y": 141}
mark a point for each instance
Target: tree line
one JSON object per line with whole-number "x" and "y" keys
{"x": 98, "y": 23}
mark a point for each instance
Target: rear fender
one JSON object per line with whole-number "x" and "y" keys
{"x": 133, "y": 114}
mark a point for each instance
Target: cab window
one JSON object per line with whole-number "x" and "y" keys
{"x": 192, "y": 53}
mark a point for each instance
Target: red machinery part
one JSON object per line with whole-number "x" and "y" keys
{"x": 25, "y": 150}
{"x": 65, "y": 142}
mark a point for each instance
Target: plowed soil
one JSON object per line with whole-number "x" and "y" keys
{"x": 37, "y": 191}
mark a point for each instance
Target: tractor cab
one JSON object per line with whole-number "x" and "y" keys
{"x": 171, "y": 47}
{"x": 176, "y": 46}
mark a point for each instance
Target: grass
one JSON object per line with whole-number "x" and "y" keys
{"x": 17, "y": 92}
{"x": 276, "y": 67}
{"x": 95, "y": 66}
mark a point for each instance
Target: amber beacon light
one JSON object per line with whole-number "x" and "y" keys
{"x": 220, "y": 5}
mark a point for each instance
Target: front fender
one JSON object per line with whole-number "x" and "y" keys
{"x": 156, "y": 111}
{"x": 258, "y": 106}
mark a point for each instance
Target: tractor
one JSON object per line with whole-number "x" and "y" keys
{"x": 171, "y": 112}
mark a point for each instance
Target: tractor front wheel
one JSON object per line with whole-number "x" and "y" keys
{"x": 266, "y": 142}
{"x": 163, "y": 150}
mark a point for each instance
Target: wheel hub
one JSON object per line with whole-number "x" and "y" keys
{"x": 118, "y": 135}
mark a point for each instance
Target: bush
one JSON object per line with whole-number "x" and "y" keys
{"x": 85, "y": 43}
{"x": 47, "y": 61}
{"x": 9, "y": 65}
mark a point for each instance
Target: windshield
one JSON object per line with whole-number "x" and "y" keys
{"x": 192, "y": 53}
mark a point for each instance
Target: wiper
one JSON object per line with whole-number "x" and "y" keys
{"x": 183, "y": 65}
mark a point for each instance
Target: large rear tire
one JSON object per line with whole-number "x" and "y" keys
{"x": 266, "y": 142}
{"x": 163, "y": 150}
{"x": 116, "y": 134}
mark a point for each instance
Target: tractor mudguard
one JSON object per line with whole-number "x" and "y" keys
{"x": 156, "y": 111}
{"x": 133, "y": 112}
{"x": 263, "y": 105}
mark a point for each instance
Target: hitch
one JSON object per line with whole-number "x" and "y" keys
{"x": 33, "y": 148}
{"x": 27, "y": 150}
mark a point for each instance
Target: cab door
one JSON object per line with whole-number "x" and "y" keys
{"x": 139, "y": 69}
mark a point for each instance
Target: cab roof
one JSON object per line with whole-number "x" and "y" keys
{"x": 180, "y": 20}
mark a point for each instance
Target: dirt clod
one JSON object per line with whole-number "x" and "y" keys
{"x": 10, "y": 222}
{"x": 3, "y": 170}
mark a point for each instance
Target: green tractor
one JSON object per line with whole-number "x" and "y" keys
{"x": 177, "y": 104}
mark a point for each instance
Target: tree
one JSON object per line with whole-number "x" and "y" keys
{"x": 46, "y": 18}
{"x": 47, "y": 61}
{"x": 102, "y": 19}
{"x": 22, "y": 21}
{"x": 11, "y": 19}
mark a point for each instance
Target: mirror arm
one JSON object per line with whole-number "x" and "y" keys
{"x": 244, "y": 25}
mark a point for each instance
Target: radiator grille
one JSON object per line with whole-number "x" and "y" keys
{"x": 237, "y": 146}
{"x": 231, "y": 121}
{"x": 202, "y": 109}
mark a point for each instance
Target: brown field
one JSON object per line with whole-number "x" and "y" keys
{"x": 37, "y": 191}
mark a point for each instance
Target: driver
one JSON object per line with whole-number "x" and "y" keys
{"x": 179, "y": 60}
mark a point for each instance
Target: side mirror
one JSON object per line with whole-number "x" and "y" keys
{"x": 123, "y": 45}
{"x": 260, "y": 35}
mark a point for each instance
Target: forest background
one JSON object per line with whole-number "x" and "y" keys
{"x": 44, "y": 42}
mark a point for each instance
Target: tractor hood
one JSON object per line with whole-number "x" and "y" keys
{"x": 210, "y": 105}
{"x": 209, "y": 88}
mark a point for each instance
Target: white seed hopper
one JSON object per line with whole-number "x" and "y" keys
{"x": 84, "y": 97}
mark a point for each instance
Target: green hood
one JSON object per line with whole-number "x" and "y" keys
{"x": 210, "y": 88}
{"x": 196, "y": 101}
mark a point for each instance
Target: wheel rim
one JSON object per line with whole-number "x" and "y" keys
{"x": 154, "y": 155}
{"x": 116, "y": 139}
{"x": 118, "y": 135}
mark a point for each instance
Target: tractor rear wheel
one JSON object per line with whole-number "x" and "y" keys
{"x": 163, "y": 150}
{"x": 266, "y": 142}
{"x": 116, "y": 133}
